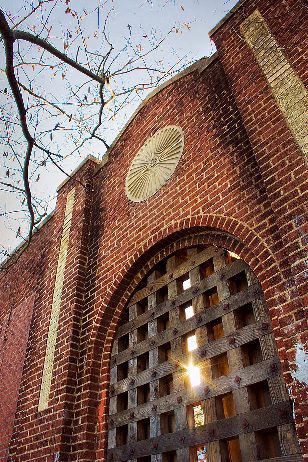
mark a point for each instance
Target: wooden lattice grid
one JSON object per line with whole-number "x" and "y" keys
{"x": 241, "y": 409}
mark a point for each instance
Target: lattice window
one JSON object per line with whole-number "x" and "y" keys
{"x": 194, "y": 369}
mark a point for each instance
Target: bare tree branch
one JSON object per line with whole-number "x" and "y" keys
{"x": 8, "y": 38}
{"x": 21, "y": 35}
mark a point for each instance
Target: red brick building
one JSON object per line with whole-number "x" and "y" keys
{"x": 184, "y": 248}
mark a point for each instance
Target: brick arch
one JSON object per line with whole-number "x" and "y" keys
{"x": 219, "y": 230}
{"x": 222, "y": 231}
{"x": 190, "y": 232}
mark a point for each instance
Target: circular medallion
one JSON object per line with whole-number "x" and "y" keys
{"x": 154, "y": 163}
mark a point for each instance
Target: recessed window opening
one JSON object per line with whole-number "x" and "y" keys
{"x": 206, "y": 269}
{"x": 230, "y": 450}
{"x": 224, "y": 406}
{"x": 143, "y": 362}
{"x": 268, "y": 445}
{"x": 162, "y": 295}
{"x": 186, "y": 311}
{"x": 251, "y": 353}
{"x": 144, "y": 459}
{"x": 238, "y": 283}
{"x": 142, "y": 333}
{"x": 122, "y": 401}
{"x": 142, "y": 306}
{"x": 143, "y": 394}
{"x": 194, "y": 375}
{"x": 189, "y": 342}
{"x": 161, "y": 267}
{"x": 198, "y": 453}
{"x": 192, "y": 343}
{"x": 230, "y": 257}
{"x": 185, "y": 282}
{"x": 123, "y": 343}
{"x": 167, "y": 422}
{"x": 164, "y": 352}
{"x": 163, "y": 322}
{"x": 122, "y": 371}
{"x": 165, "y": 385}
{"x": 219, "y": 365}
{"x": 259, "y": 395}
{"x": 195, "y": 415}
{"x": 211, "y": 297}
{"x": 121, "y": 435}
{"x": 143, "y": 429}
{"x": 124, "y": 317}
{"x": 215, "y": 330}
{"x": 244, "y": 316}
{"x": 169, "y": 456}
{"x": 181, "y": 256}
{"x": 189, "y": 312}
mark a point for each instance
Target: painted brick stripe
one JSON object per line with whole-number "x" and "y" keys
{"x": 56, "y": 304}
{"x": 288, "y": 90}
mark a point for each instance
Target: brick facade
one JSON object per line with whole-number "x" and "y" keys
{"x": 241, "y": 184}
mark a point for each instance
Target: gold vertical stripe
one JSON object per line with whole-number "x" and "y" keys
{"x": 56, "y": 303}
{"x": 288, "y": 90}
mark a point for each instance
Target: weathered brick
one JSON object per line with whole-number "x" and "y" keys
{"x": 240, "y": 185}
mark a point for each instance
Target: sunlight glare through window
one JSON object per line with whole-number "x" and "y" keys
{"x": 194, "y": 375}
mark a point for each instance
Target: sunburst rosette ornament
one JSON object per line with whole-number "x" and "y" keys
{"x": 154, "y": 163}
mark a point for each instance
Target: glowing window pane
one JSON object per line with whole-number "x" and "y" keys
{"x": 191, "y": 343}
{"x": 202, "y": 453}
{"x": 233, "y": 255}
{"x": 189, "y": 312}
{"x": 186, "y": 284}
{"x": 198, "y": 416}
{"x": 194, "y": 375}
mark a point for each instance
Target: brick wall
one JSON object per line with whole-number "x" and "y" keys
{"x": 239, "y": 185}
{"x": 268, "y": 79}
{"x": 13, "y": 342}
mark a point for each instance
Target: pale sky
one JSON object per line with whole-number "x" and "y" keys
{"x": 191, "y": 21}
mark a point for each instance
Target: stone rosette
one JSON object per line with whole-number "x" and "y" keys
{"x": 154, "y": 163}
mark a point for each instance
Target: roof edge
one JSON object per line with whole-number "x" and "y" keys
{"x": 79, "y": 166}
{"x": 23, "y": 245}
{"x": 199, "y": 66}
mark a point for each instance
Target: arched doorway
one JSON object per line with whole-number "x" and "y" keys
{"x": 194, "y": 368}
